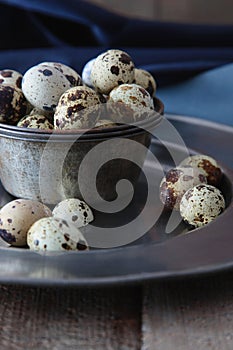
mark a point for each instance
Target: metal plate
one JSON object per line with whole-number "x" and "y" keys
{"x": 156, "y": 254}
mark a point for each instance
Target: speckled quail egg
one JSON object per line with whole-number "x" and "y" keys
{"x": 110, "y": 69}
{"x": 47, "y": 114}
{"x": 146, "y": 80}
{"x": 13, "y": 105}
{"x": 43, "y": 85}
{"x": 86, "y": 73}
{"x": 10, "y": 77}
{"x": 71, "y": 75}
{"x": 104, "y": 123}
{"x": 36, "y": 121}
{"x": 55, "y": 234}
{"x": 17, "y": 216}
{"x": 176, "y": 182}
{"x": 129, "y": 103}
{"x": 210, "y": 166}
{"x": 201, "y": 204}
{"x": 75, "y": 211}
{"x": 77, "y": 108}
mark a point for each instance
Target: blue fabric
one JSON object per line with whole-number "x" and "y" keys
{"x": 208, "y": 95}
{"x": 74, "y": 31}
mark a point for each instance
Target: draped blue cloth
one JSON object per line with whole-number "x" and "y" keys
{"x": 192, "y": 64}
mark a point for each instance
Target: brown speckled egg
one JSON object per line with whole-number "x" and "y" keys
{"x": 71, "y": 75}
{"x": 209, "y": 165}
{"x": 43, "y": 85}
{"x": 176, "y": 182}
{"x": 13, "y": 104}
{"x": 110, "y": 69}
{"x": 75, "y": 211}
{"x": 129, "y": 103}
{"x": 146, "y": 80}
{"x": 17, "y": 216}
{"x": 36, "y": 121}
{"x": 78, "y": 108}
{"x": 105, "y": 123}
{"x": 48, "y": 114}
{"x": 10, "y": 77}
{"x": 55, "y": 234}
{"x": 201, "y": 204}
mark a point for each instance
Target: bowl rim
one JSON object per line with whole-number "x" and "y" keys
{"x": 31, "y": 134}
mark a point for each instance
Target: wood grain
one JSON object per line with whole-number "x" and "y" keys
{"x": 186, "y": 314}
{"x": 62, "y": 319}
{"x": 189, "y": 315}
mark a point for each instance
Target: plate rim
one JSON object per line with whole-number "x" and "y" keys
{"x": 140, "y": 276}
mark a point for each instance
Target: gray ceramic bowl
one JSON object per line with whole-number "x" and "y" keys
{"x": 45, "y": 165}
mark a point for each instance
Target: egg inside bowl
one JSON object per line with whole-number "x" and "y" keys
{"x": 68, "y": 139}
{"x": 44, "y": 165}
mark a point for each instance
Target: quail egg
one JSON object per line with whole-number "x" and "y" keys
{"x": 104, "y": 123}
{"x": 110, "y": 69}
{"x": 43, "y": 85}
{"x": 75, "y": 211}
{"x": 86, "y": 73}
{"x": 36, "y": 121}
{"x": 17, "y": 216}
{"x": 130, "y": 103}
{"x": 176, "y": 182}
{"x": 146, "y": 80}
{"x": 10, "y": 77}
{"x": 55, "y": 234}
{"x": 13, "y": 105}
{"x": 71, "y": 75}
{"x": 47, "y": 114}
{"x": 77, "y": 108}
{"x": 201, "y": 204}
{"x": 210, "y": 166}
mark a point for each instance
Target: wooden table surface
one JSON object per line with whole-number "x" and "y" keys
{"x": 185, "y": 314}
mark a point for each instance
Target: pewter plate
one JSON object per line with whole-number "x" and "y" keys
{"x": 156, "y": 254}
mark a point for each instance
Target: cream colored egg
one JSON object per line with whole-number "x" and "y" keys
{"x": 47, "y": 114}
{"x": 75, "y": 211}
{"x": 36, "y": 121}
{"x": 17, "y": 216}
{"x": 110, "y": 69}
{"x": 208, "y": 164}
{"x": 201, "y": 204}
{"x": 43, "y": 85}
{"x": 146, "y": 80}
{"x": 11, "y": 77}
{"x": 78, "y": 108}
{"x": 55, "y": 234}
{"x": 129, "y": 103}
{"x": 176, "y": 182}
{"x": 105, "y": 123}
{"x": 71, "y": 75}
{"x": 13, "y": 105}
{"x": 86, "y": 73}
